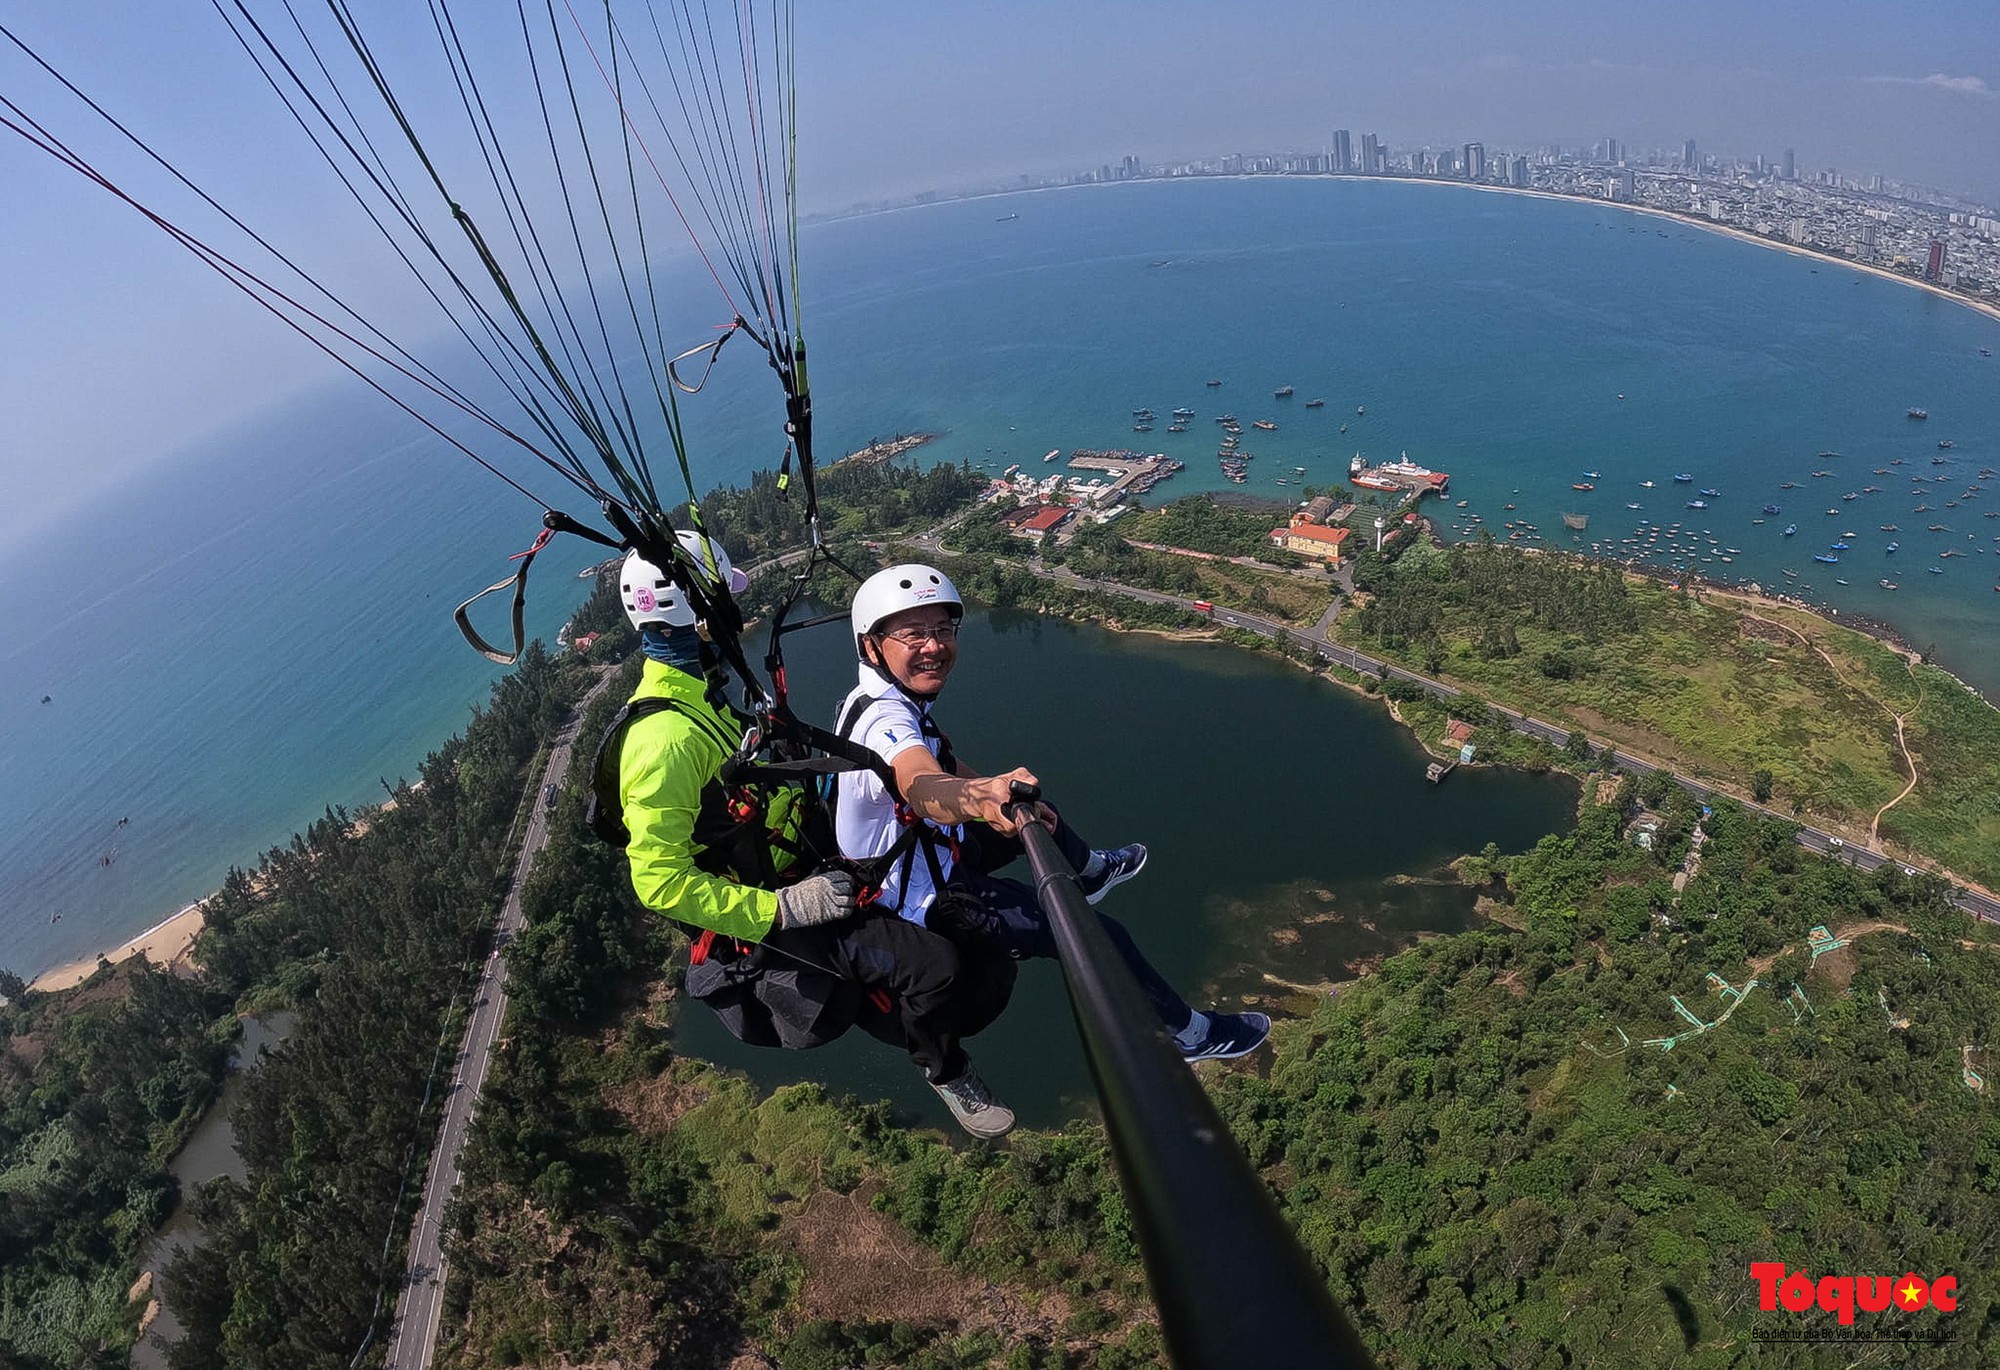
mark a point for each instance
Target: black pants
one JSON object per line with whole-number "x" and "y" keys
{"x": 936, "y": 993}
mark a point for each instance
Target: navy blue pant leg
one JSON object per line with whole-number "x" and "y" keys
{"x": 1008, "y": 914}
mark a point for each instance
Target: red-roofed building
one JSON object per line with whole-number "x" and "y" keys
{"x": 1311, "y": 540}
{"x": 1045, "y": 521}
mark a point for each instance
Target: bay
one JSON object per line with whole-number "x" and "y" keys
{"x": 259, "y": 626}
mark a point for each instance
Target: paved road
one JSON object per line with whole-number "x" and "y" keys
{"x": 413, "y": 1333}
{"x": 1813, "y": 839}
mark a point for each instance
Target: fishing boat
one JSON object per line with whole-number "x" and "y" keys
{"x": 1684, "y": 479}
{"x": 1892, "y": 546}
{"x": 1343, "y": 428}
{"x": 1886, "y": 584}
{"x": 1645, "y": 485}
{"x": 1771, "y": 509}
{"x": 1824, "y": 455}
{"x": 1697, "y": 504}
{"x": 1360, "y": 409}
{"x": 1315, "y": 404}
{"x": 1054, "y": 452}
{"x": 1711, "y": 494}
{"x": 1266, "y": 425}
{"x": 1142, "y": 428}
{"x": 1144, "y": 414}
{"x": 1826, "y": 557}
{"x": 1582, "y": 485}
{"x": 1839, "y": 547}
{"x": 1630, "y": 505}
{"x": 1283, "y": 392}
{"x": 1918, "y": 413}
{"x": 1215, "y": 382}
{"x": 1791, "y": 575}
{"x": 1177, "y": 428}
{"x": 1791, "y": 529}
{"x": 1184, "y": 413}
{"x": 1593, "y": 475}
{"x": 1891, "y": 528}
{"x": 1944, "y": 444}
{"x": 1935, "y": 570}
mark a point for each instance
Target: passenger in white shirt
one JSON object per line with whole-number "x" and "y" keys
{"x": 951, "y": 830}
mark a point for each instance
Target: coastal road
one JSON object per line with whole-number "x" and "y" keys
{"x": 413, "y": 1333}
{"x": 1974, "y": 902}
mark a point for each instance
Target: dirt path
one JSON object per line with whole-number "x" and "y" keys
{"x": 1902, "y": 742}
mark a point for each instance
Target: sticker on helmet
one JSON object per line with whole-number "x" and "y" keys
{"x": 643, "y": 601}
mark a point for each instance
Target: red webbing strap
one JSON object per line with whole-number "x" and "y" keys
{"x": 698, "y": 949}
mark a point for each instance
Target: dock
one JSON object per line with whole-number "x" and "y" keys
{"x": 1404, "y": 478}
{"x": 1133, "y": 473}
{"x": 882, "y": 449}
{"x": 1438, "y": 770}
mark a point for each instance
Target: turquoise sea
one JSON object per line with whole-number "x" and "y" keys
{"x": 260, "y": 626}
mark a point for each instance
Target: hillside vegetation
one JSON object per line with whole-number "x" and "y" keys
{"x": 1717, "y": 686}
{"x": 1488, "y": 1172}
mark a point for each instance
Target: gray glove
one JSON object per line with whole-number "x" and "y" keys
{"x": 816, "y": 899}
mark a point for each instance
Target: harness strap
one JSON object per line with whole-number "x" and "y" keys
{"x": 553, "y": 521}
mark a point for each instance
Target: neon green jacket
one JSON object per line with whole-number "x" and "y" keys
{"x": 666, "y": 764}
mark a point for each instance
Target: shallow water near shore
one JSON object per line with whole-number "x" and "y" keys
{"x": 1284, "y": 814}
{"x": 277, "y": 635}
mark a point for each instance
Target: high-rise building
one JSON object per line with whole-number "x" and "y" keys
{"x": 1474, "y": 165}
{"x": 1343, "y": 151}
{"x": 1613, "y": 153}
{"x": 1517, "y": 174}
{"x": 1371, "y": 154}
{"x": 1688, "y": 156}
{"x": 1934, "y": 265}
{"x": 1791, "y": 171}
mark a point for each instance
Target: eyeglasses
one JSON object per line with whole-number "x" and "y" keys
{"x": 914, "y": 637}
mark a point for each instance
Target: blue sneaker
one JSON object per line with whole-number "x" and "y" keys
{"x": 1119, "y": 866}
{"x": 1230, "y": 1035}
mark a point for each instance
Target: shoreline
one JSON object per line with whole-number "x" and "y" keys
{"x": 1989, "y": 308}
{"x": 166, "y": 944}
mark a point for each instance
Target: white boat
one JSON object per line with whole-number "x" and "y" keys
{"x": 1054, "y": 452}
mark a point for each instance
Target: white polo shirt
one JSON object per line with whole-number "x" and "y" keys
{"x": 889, "y": 724}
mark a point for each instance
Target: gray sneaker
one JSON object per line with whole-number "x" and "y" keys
{"x": 974, "y": 1106}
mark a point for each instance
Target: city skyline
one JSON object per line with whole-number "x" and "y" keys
{"x": 898, "y": 98}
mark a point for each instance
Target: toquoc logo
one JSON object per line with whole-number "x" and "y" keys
{"x": 1842, "y": 1294}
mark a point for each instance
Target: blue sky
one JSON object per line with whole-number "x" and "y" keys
{"x": 121, "y": 350}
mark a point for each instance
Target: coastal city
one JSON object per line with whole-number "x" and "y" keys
{"x": 1877, "y": 221}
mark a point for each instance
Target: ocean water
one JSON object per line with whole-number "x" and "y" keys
{"x": 259, "y": 627}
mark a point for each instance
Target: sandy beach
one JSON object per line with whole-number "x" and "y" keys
{"x": 166, "y": 943}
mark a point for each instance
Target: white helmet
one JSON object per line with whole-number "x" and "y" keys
{"x": 896, "y": 589}
{"x": 651, "y": 596}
